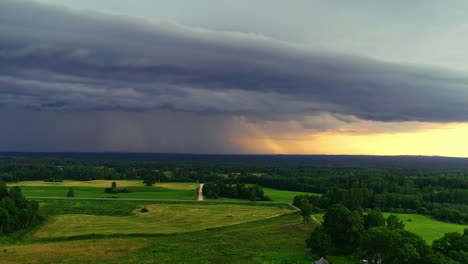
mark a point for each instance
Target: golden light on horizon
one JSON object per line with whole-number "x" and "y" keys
{"x": 441, "y": 139}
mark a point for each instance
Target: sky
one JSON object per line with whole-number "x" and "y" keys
{"x": 219, "y": 76}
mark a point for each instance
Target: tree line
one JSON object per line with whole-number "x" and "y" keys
{"x": 373, "y": 237}
{"x": 15, "y": 211}
{"x": 214, "y": 190}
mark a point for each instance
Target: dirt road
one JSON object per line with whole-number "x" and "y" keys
{"x": 200, "y": 192}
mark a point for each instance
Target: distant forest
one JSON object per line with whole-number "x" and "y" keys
{"x": 435, "y": 186}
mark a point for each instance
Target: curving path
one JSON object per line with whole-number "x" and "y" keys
{"x": 200, "y": 192}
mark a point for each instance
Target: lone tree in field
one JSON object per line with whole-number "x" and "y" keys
{"x": 71, "y": 192}
{"x": 149, "y": 179}
{"x": 304, "y": 206}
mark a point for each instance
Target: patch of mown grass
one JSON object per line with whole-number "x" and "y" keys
{"x": 82, "y": 251}
{"x": 137, "y": 192}
{"x": 241, "y": 243}
{"x": 70, "y": 183}
{"x": 90, "y": 207}
{"x": 161, "y": 219}
{"x": 283, "y": 196}
{"x": 428, "y": 228}
{"x": 245, "y": 243}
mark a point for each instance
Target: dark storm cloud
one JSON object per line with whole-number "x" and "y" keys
{"x": 53, "y": 58}
{"x": 94, "y": 131}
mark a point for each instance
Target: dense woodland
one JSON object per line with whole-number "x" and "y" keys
{"x": 427, "y": 185}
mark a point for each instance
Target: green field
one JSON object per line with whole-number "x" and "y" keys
{"x": 95, "y": 189}
{"x": 243, "y": 243}
{"x": 161, "y": 219}
{"x": 429, "y": 229}
{"x": 167, "y": 190}
{"x": 169, "y": 233}
{"x": 283, "y": 196}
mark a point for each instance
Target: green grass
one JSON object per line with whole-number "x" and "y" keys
{"x": 81, "y": 251}
{"x": 245, "y": 243}
{"x": 266, "y": 240}
{"x": 429, "y": 229}
{"x": 139, "y": 192}
{"x": 91, "y": 207}
{"x": 283, "y": 196}
{"x": 161, "y": 219}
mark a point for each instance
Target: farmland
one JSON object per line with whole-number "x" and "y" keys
{"x": 161, "y": 219}
{"x": 283, "y": 196}
{"x": 95, "y": 189}
{"x": 165, "y": 190}
{"x": 116, "y": 232}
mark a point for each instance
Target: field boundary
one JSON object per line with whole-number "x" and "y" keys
{"x": 166, "y": 200}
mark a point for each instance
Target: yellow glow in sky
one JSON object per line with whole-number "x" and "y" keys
{"x": 445, "y": 140}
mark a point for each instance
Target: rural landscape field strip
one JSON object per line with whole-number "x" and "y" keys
{"x": 107, "y": 183}
{"x": 161, "y": 219}
{"x": 79, "y": 251}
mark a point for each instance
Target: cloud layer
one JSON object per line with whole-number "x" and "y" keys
{"x": 58, "y": 59}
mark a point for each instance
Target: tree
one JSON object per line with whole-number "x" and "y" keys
{"x": 319, "y": 242}
{"x": 114, "y": 185}
{"x": 374, "y": 219}
{"x": 395, "y": 246}
{"x": 149, "y": 179}
{"x": 344, "y": 227}
{"x": 17, "y": 197}
{"x": 453, "y": 245}
{"x": 393, "y": 222}
{"x": 71, "y": 192}
{"x": 16, "y": 212}
{"x": 3, "y": 190}
{"x": 306, "y": 208}
{"x": 4, "y": 220}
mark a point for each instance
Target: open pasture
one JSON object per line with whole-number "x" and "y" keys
{"x": 81, "y": 251}
{"x": 161, "y": 219}
{"x": 257, "y": 242}
{"x": 283, "y": 196}
{"x": 107, "y": 183}
{"x": 95, "y": 189}
{"x": 428, "y": 228}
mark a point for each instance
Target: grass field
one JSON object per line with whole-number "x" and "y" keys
{"x": 244, "y": 243}
{"x": 283, "y": 196}
{"x": 429, "y": 229}
{"x": 161, "y": 219}
{"x": 107, "y": 183}
{"x": 203, "y": 234}
{"x": 95, "y": 189}
{"x": 81, "y": 251}
{"x": 164, "y": 190}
